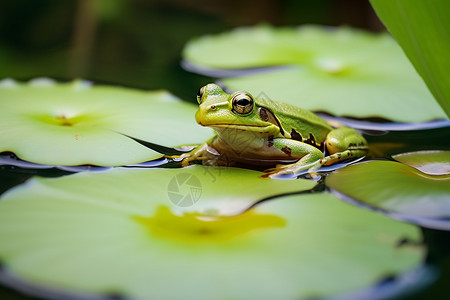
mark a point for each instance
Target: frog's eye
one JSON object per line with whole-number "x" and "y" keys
{"x": 200, "y": 95}
{"x": 242, "y": 103}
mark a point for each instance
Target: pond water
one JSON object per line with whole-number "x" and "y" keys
{"x": 383, "y": 145}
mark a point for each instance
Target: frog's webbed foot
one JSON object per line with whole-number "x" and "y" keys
{"x": 293, "y": 170}
{"x": 186, "y": 158}
{"x": 199, "y": 153}
{"x": 309, "y": 159}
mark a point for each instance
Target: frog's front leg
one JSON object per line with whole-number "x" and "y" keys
{"x": 309, "y": 156}
{"x": 344, "y": 143}
{"x": 199, "y": 153}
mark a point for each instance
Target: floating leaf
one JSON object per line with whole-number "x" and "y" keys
{"x": 342, "y": 71}
{"x": 433, "y": 162}
{"x": 119, "y": 233}
{"x": 401, "y": 190}
{"x": 363, "y": 124}
{"x": 422, "y": 30}
{"x": 74, "y": 123}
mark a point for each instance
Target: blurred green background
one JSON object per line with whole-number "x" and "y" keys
{"x": 138, "y": 43}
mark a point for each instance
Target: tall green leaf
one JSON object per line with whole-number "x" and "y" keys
{"x": 422, "y": 28}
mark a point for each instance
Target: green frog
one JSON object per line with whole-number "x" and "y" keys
{"x": 262, "y": 132}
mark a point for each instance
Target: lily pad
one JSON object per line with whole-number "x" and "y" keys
{"x": 341, "y": 71}
{"x": 397, "y": 189}
{"x": 76, "y": 123}
{"x": 118, "y": 233}
{"x": 433, "y": 162}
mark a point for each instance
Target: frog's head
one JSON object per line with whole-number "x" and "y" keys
{"x": 238, "y": 110}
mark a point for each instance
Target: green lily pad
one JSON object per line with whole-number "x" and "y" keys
{"x": 400, "y": 190}
{"x": 433, "y": 162}
{"x": 341, "y": 71}
{"x": 119, "y": 233}
{"x": 74, "y": 123}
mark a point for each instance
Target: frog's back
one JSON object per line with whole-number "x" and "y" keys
{"x": 294, "y": 120}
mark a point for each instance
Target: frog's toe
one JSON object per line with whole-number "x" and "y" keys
{"x": 187, "y": 159}
{"x": 185, "y": 162}
{"x": 184, "y": 158}
{"x": 279, "y": 170}
{"x": 283, "y": 174}
{"x": 293, "y": 170}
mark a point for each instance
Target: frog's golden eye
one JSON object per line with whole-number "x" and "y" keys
{"x": 200, "y": 95}
{"x": 242, "y": 103}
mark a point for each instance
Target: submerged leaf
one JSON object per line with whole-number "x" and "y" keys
{"x": 74, "y": 123}
{"x": 120, "y": 233}
{"x": 342, "y": 71}
{"x": 433, "y": 162}
{"x": 394, "y": 187}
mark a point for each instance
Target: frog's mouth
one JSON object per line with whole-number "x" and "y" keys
{"x": 245, "y": 127}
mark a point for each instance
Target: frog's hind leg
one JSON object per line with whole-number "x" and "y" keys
{"x": 344, "y": 143}
{"x": 308, "y": 157}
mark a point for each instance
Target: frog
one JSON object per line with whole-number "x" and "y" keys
{"x": 263, "y": 132}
